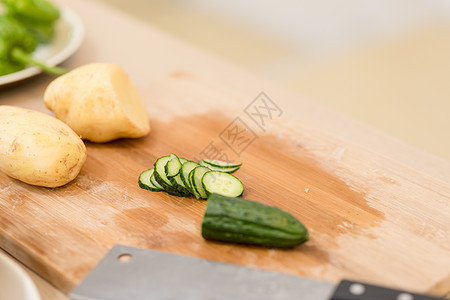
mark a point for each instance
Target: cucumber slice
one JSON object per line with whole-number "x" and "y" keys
{"x": 145, "y": 181}
{"x": 192, "y": 186}
{"x": 172, "y": 170}
{"x": 161, "y": 177}
{"x": 182, "y": 160}
{"x": 160, "y": 172}
{"x": 179, "y": 184}
{"x": 155, "y": 183}
{"x": 215, "y": 182}
{"x": 231, "y": 169}
{"x": 186, "y": 168}
{"x": 220, "y": 164}
{"x": 173, "y": 166}
{"x": 177, "y": 193}
{"x": 197, "y": 176}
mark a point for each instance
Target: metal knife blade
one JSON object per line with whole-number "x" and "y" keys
{"x": 134, "y": 273}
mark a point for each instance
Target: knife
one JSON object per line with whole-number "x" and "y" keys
{"x": 137, "y": 274}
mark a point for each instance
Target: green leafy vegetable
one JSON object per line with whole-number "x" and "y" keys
{"x": 26, "y": 24}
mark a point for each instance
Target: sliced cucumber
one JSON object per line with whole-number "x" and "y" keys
{"x": 186, "y": 168}
{"x": 161, "y": 177}
{"x": 197, "y": 176}
{"x": 155, "y": 183}
{"x": 160, "y": 172}
{"x": 181, "y": 177}
{"x": 220, "y": 164}
{"x": 230, "y": 169}
{"x": 172, "y": 170}
{"x": 215, "y": 182}
{"x": 191, "y": 185}
{"x": 180, "y": 184}
{"x": 145, "y": 182}
{"x": 173, "y": 166}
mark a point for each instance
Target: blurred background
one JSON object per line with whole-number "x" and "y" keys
{"x": 384, "y": 62}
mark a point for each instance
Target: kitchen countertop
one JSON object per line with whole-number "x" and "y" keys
{"x": 147, "y": 53}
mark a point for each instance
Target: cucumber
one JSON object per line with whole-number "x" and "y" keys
{"x": 161, "y": 177}
{"x": 220, "y": 164}
{"x": 186, "y": 168}
{"x": 146, "y": 183}
{"x": 224, "y": 168}
{"x": 160, "y": 172}
{"x": 179, "y": 184}
{"x": 175, "y": 175}
{"x": 238, "y": 220}
{"x": 197, "y": 177}
{"x": 173, "y": 166}
{"x": 155, "y": 183}
{"x": 215, "y": 182}
{"x": 192, "y": 186}
{"x": 172, "y": 170}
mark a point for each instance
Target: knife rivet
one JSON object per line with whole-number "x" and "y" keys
{"x": 124, "y": 257}
{"x": 357, "y": 289}
{"x": 405, "y": 296}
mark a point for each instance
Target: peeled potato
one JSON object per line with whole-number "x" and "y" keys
{"x": 99, "y": 102}
{"x": 38, "y": 149}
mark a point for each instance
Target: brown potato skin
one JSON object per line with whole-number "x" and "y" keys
{"x": 37, "y": 148}
{"x": 99, "y": 102}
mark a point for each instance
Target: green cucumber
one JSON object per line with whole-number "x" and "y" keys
{"x": 176, "y": 181}
{"x": 215, "y": 182}
{"x": 186, "y": 168}
{"x": 224, "y": 168}
{"x": 220, "y": 164}
{"x": 155, "y": 183}
{"x": 175, "y": 175}
{"x": 197, "y": 176}
{"x": 173, "y": 166}
{"x": 172, "y": 170}
{"x": 160, "y": 172}
{"x": 161, "y": 177}
{"x": 146, "y": 183}
{"x": 238, "y": 220}
{"x": 192, "y": 186}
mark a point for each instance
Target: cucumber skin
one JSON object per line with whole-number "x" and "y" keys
{"x": 149, "y": 188}
{"x": 216, "y": 163}
{"x": 179, "y": 188}
{"x": 169, "y": 189}
{"x": 248, "y": 222}
{"x": 199, "y": 188}
{"x": 186, "y": 180}
{"x": 220, "y": 169}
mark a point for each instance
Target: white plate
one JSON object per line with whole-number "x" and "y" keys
{"x": 69, "y": 32}
{"x": 15, "y": 282}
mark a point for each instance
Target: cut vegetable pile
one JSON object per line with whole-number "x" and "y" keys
{"x": 181, "y": 177}
{"x": 227, "y": 218}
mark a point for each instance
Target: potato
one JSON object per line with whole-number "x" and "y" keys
{"x": 37, "y": 148}
{"x": 99, "y": 102}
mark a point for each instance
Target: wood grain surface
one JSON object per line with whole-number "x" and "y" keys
{"x": 370, "y": 218}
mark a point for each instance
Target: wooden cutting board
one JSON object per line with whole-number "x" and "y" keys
{"x": 370, "y": 218}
